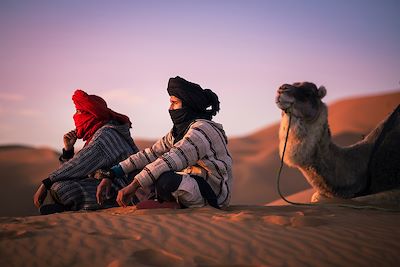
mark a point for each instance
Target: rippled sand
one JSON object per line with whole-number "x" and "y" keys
{"x": 239, "y": 236}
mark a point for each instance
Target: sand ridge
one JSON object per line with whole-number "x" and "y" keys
{"x": 238, "y": 236}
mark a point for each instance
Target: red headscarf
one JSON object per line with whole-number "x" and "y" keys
{"x": 95, "y": 114}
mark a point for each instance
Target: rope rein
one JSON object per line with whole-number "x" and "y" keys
{"x": 288, "y": 111}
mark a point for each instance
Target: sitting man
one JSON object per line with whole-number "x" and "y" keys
{"x": 108, "y": 141}
{"x": 190, "y": 165}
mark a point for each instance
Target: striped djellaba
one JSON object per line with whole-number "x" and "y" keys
{"x": 202, "y": 152}
{"x": 72, "y": 185}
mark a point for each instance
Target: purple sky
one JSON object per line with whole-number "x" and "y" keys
{"x": 125, "y": 51}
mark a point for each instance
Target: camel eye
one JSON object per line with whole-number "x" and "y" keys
{"x": 308, "y": 95}
{"x": 303, "y": 97}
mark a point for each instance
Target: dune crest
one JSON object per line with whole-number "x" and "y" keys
{"x": 238, "y": 236}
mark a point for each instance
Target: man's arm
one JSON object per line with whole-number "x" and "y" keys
{"x": 142, "y": 158}
{"x": 193, "y": 147}
{"x": 98, "y": 154}
{"x": 69, "y": 140}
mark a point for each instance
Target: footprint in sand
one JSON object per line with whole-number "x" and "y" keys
{"x": 276, "y": 219}
{"x": 298, "y": 220}
{"x": 16, "y": 229}
{"x": 154, "y": 257}
{"x": 112, "y": 235}
{"x": 15, "y": 234}
{"x": 307, "y": 221}
{"x": 235, "y": 217}
{"x": 41, "y": 224}
{"x": 204, "y": 261}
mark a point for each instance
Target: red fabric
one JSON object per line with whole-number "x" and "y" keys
{"x": 95, "y": 114}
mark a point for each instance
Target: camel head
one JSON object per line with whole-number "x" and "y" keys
{"x": 302, "y": 99}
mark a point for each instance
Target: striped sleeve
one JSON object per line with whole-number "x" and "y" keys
{"x": 147, "y": 156}
{"x": 183, "y": 154}
{"x": 104, "y": 151}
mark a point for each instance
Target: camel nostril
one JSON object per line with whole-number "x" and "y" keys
{"x": 284, "y": 86}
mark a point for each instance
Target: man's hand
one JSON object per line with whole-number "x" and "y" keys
{"x": 103, "y": 189}
{"x": 125, "y": 195}
{"x": 39, "y": 196}
{"x": 69, "y": 140}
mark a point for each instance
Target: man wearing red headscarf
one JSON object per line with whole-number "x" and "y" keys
{"x": 92, "y": 114}
{"x": 107, "y": 141}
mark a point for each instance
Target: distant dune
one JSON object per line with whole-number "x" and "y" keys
{"x": 256, "y": 158}
{"x": 142, "y": 144}
{"x": 21, "y": 170}
{"x": 361, "y": 115}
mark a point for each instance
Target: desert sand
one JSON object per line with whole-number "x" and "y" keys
{"x": 239, "y": 236}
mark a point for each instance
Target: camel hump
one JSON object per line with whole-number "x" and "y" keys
{"x": 384, "y": 164}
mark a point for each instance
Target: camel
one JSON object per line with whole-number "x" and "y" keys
{"x": 367, "y": 171}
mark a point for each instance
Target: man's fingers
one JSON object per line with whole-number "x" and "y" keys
{"x": 99, "y": 194}
{"x": 42, "y": 197}
{"x": 36, "y": 202}
{"x": 38, "y": 199}
{"x": 70, "y": 135}
{"x": 120, "y": 199}
{"x": 108, "y": 189}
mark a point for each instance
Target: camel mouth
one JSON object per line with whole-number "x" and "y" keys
{"x": 284, "y": 99}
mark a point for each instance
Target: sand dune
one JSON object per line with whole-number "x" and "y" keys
{"x": 361, "y": 115}
{"x": 239, "y": 236}
{"x": 22, "y": 169}
{"x": 142, "y": 144}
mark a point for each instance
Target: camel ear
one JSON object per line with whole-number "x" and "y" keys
{"x": 321, "y": 91}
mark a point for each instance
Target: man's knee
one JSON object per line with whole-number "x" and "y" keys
{"x": 167, "y": 183}
{"x": 65, "y": 193}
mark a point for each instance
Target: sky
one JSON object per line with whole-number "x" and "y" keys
{"x": 125, "y": 52}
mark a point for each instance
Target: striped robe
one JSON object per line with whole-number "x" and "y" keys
{"x": 202, "y": 152}
{"x": 72, "y": 185}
